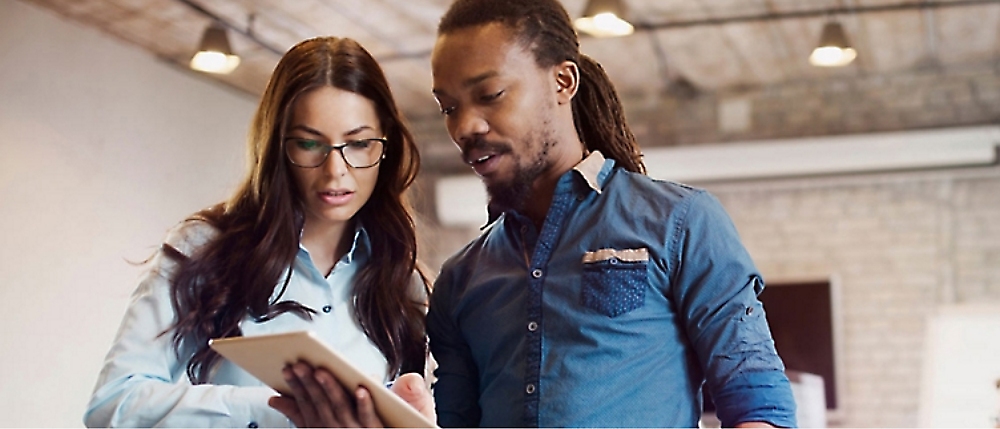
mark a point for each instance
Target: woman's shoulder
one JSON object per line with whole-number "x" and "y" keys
{"x": 190, "y": 234}
{"x": 420, "y": 282}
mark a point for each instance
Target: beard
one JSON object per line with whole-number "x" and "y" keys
{"x": 513, "y": 194}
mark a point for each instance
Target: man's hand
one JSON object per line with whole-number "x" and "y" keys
{"x": 319, "y": 400}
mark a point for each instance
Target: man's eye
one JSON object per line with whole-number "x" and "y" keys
{"x": 493, "y": 96}
{"x": 447, "y": 110}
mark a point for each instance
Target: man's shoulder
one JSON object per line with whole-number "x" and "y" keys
{"x": 470, "y": 251}
{"x": 639, "y": 188}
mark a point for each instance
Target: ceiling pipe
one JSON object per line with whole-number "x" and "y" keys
{"x": 816, "y": 13}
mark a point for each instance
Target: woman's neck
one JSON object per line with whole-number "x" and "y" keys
{"x": 327, "y": 243}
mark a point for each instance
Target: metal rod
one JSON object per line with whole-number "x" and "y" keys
{"x": 246, "y": 32}
{"x": 854, "y": 10}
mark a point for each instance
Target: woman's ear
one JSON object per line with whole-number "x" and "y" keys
{"x": 567, "y": 77}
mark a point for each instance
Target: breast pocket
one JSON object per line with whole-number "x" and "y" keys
{"x": 614, "y": 281}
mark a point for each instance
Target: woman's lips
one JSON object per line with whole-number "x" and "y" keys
{"x": 336, "y": 198}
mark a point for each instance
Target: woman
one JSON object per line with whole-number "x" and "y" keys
{"x": 318, "y": 237}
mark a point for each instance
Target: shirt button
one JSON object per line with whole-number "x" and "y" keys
{"x": 327, "y": 308}
{"x": 536, "y": 273}
{"x": 749, "y": 310}
{"x": 530, "y": 389}
{"x": 532, "y": 326}
{"x": 524, "y": 229}
{"x": 253, "y": 425}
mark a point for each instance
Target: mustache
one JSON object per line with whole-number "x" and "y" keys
{"x": 481, "y": 144}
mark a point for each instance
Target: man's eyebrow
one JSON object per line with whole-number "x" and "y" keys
{"x": 472, "y": 81}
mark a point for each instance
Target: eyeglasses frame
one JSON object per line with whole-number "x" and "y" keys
{"x": 327, "y": 148}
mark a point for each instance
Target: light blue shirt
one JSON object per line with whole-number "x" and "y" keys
{"x": 144, "y": 384}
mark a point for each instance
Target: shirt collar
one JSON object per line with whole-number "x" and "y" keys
{"x": 592, "y": 170}
{"x": 360, "y": 245}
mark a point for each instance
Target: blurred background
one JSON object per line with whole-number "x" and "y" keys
{"x": 862, "y": 177}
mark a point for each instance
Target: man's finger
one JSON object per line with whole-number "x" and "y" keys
{"x": 287, "y": 406}
{"x": 302, "y": 398}
{"x": 366, "y": 409}
{"x": 338, "y": 402}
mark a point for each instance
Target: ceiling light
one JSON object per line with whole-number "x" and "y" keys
{"x": 834, "y": 49}
{"x": 604, "y": 18}
{"x": 214, "y": 53}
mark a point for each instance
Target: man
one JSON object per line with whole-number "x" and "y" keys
{"x": 596, "y": 296}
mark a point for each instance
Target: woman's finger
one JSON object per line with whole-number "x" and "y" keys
{"x": 412, "y": 388}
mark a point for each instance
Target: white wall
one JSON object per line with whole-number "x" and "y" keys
{"x": 961, "y": 367}
{"x": 102, "y": 149}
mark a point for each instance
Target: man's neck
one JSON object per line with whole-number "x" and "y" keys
{"x": 543, "y": 189}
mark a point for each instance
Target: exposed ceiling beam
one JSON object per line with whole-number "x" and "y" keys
{"x": 641, "y": 26}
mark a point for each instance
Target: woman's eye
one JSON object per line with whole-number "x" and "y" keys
{"x": 447, "y": 110}
{"x": 359, "y": 144}
{"x": 307, "y": 144}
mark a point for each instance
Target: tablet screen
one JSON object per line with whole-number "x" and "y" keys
{"x": 265, "y": 356}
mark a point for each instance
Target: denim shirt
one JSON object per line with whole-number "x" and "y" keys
{"x": 634, "y": 293}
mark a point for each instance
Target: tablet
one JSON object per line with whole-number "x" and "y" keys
{"x": 265, "y": 356}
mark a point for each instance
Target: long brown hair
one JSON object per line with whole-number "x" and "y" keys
{"x": 236, "y": 273}
{"x": 545, "y": 27}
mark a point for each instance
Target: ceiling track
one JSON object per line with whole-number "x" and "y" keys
{"x": 248, "y": 33}
{"x": 815, "y": 13}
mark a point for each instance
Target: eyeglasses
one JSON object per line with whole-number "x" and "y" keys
{"x": 309, "y": 153}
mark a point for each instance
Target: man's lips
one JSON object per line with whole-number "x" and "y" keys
{"x": 480, "y": 159}
{"x": 486, "y": 164}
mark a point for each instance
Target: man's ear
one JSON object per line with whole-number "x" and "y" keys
{"x": 567, "y": 77}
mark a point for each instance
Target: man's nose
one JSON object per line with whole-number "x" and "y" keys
{"x": 467, "y": 125}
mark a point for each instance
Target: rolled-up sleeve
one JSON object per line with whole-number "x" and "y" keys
{"x": 716, "y": 286}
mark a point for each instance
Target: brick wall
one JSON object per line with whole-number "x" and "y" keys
{"x": 898, "y": 246}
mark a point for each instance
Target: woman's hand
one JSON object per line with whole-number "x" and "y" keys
{"x": 319, "y": 400}
{"x": 412, "y": 389}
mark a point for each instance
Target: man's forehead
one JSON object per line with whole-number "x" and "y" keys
{"x": 478, "y": 49}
